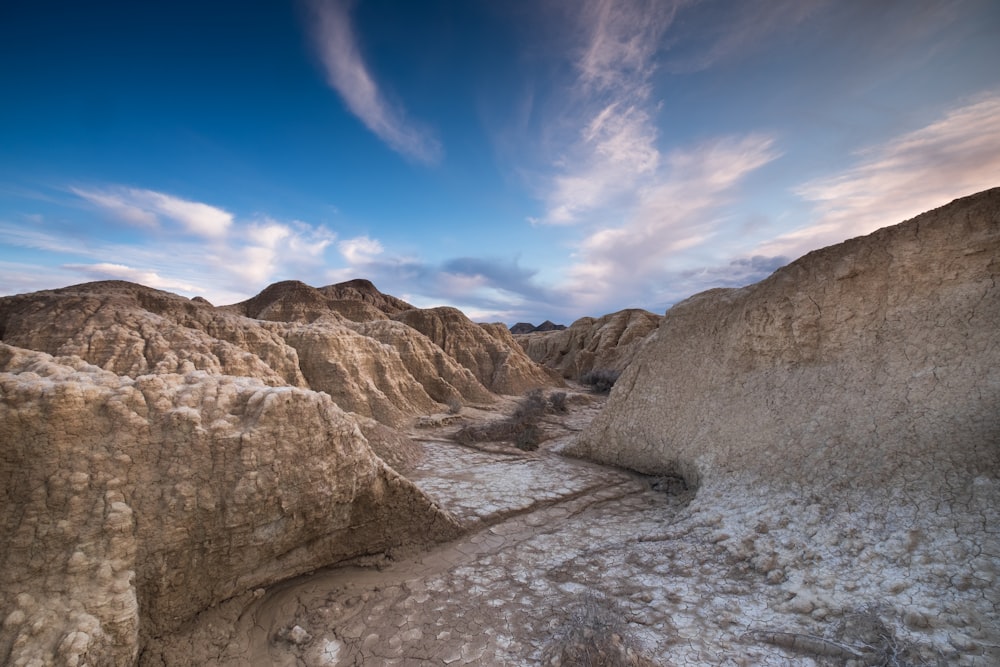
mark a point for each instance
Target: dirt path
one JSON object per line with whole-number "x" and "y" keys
{"x": 560, "y": 553}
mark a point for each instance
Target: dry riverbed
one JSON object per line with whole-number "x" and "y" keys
{"x": 563, "y": 561}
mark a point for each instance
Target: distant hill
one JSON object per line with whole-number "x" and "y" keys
{"x": 528, "y": 327}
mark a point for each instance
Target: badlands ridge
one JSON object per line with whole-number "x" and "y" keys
{"x": 835, "y": 428}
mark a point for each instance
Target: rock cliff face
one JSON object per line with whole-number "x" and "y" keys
{"x": 130, "y": 504}
{"x": 608, "y": 342}
{"x": 842, "y": 419}
{"x": 488, "y": 351}
{"x": 159, "y": 455}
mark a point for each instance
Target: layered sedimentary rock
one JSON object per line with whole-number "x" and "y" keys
{"x": 842, "y": 421}
{"x": 130, "y": 504}
{"x": 133, "y": 330}
{"x": 488, "y": 351}
{"x": 608, "y": 342}
{"x": 294, "y": 301}
{"x": 365, "y": 292}
{"x": 287, "y": 335}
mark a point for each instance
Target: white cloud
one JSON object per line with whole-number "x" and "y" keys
{"x": 144, "y": 207}
{"x": 955, "y": 156}
{"x": 110, "y": 271}
{"x": 347, "y": 73}
{"x": 119, "y": 207}
{"x": 612, "y": 148}
{"x": 681, "y": 211}
{"x": 361, "y": 250}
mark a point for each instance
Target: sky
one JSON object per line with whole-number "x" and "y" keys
{"x": 521, "y": 160}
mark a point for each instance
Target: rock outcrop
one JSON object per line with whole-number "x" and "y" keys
{"x": 289, "y": 334}
{"x": 488, "y": 351}
{"x": 159, "y": 455}
{"x": 294, "y": 301}
{"x": 842, "y": 422}
{"x": 528, "y": 327}
{"x": 609, "y": 342}
{"x": 132, "y": 503}
{"x": 132, "y": 330}
{"x": 360, "y": 290}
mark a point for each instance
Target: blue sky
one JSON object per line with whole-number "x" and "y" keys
{"x": 520, "y": 160}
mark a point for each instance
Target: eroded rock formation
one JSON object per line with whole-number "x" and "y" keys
{"x": 160, "y": 455}
{"x": 842, "y": 420}
{"x": 130, "y": 504}
{"x": 608, "y": 342}
{"x": 488, "y": 351}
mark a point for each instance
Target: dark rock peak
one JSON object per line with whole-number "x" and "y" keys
{"x": 528, "y": 327}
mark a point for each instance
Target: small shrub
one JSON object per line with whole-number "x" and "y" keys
{"x": 454, "y": 406}
{"x": 521, "y": 426}
{"x": 594, "y": 635}
{"x": 601, "y": 380}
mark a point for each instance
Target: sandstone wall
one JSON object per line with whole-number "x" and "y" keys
{"x": 129, "y": 504}
{"x": 608, "y": 342}
{"x": 842, "y": 421}
{"x": 493, "y": 358}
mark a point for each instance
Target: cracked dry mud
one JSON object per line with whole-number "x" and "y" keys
{"x": 553, "y": 544}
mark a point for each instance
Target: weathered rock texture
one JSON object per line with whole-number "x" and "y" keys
{"x": 294, "y": 301}
{"x": 287, "y": 335}
{"x": 488, "y": 350}
{"x": 133, "y": 330}
{"x": 842, "y": 419}
{"x": 608, "y": 342}
{"x": 130, "y": 504}
{"x": 159, "y": 455}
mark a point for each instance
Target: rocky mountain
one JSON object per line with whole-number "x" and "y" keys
{"x": 527, "y": 327}
{"x": 841, "y": 421}
{"x": 160, "y": 455}
{"x": 488, "y": 351}
{"x": 607, "y": 342}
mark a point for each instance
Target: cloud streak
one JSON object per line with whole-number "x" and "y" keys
{"x": 612, "y": 145}
{"x": 347, "y": 73}
{"x": 629, "y": 261}
{"x": 144, "y": 208}
{"x": 954, "y": 156}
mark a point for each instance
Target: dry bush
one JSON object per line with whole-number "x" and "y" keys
{"x": 593, "y": 635}
{"x": 521, "y": 426}
{"x": 601, "y": 380}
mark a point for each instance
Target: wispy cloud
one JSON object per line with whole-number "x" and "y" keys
{"x": 348, "y": 74}
{"x": 145, "y": 207}
{"x": 686, "y": 208}
{"x": 360, "y": 250}
{"x": 955, "y": 156}
{"x": 611, "y": 148}
{"x": 110, "y": 271}
{"x": 734, "y": 29}
{"x": 209, "y": 252}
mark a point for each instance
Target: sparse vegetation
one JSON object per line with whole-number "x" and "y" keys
{"x": 861, "y": 637}
{"x": 557, "y": 400}
{"x": 454, "y": 406}
{"x": 521, "y": 427}
{"x": 601, "y": 380}
{"x": 594, "y": 635}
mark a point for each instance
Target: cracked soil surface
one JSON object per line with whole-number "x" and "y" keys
{"x": 559, "y": 554}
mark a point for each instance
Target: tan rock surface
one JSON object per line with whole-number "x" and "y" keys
{"x": 608, "y": 342}
{"x": 841, "y": 418}
{"x": 131, "y": 504}
{"x": 365, "y": 292}
{"x": 133, "y": 330}
{"x": 491, "y": 354}
{"x": 294, "y": 301}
